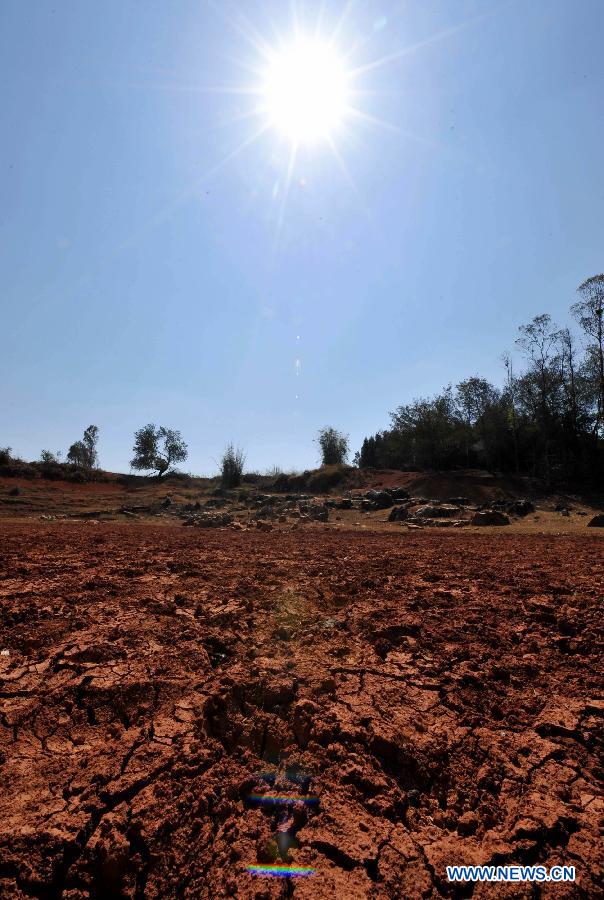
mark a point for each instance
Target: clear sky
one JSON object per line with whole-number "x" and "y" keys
{"x": 150, "y": 273}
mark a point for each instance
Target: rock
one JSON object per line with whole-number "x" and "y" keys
{"x": 209, "y": 520}
{"x": 489, "y": 517}
{"x": 398, "y": 493}
{"x": 398, "y": 514}
{"x": 597, "y": 521}
{"x": 520, "y": 508}
{"x": 214, "y": 503}
{"x": 264, "y": 526}
{"x": 380, "y": 499}
{"x": 265, "y": 512}
{"x": 346, "y": 503}
{"x": 437, "y": 512}
{"x": 166, "y": 502}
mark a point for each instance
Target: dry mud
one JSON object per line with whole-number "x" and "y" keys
{"x": 432, "y": 699}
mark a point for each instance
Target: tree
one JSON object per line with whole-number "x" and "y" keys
{"x": 334, "y": 446}
{"x": 428, "y": 430}
{"x": 509, "y": 401}
{"x": 83, "y": 453}
{"x": 231, "y": 465}
{"x": 540, "y": 385}
{"x": 588, "y": 311}
{"x": 366, "y": 457}
{"x": 157, "y": 449}
{"x": 48, "y": 457}
{"x": 474, "y": 397}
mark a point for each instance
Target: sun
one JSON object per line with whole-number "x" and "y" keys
{"x": 305, "y": 91}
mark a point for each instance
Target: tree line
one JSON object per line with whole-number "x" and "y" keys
{"x": 546, "y": 421}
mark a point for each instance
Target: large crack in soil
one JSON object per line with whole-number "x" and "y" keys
{"x": 178, "y": 706}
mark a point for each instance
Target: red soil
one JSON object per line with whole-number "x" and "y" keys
{"x": 436, "y": 692}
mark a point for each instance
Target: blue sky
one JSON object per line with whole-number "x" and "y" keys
{"x": 149, "y": 276}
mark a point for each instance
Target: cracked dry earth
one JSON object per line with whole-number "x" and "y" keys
{"x": 439, "y": 693}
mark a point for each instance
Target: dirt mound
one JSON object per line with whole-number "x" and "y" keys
{"x": 179, "y": 706}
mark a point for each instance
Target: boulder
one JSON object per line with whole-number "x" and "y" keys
{"x": 458, "y": 501}
{"x": 489, "y": 517}
{"x": 398, "y": 493}
{"x": 209, "y": 520}
{"x": 441, "y": 511}
{"x": 520, "y": 508}
{"x": 597, "y": 521}
{"x": 398, "y": 514}
{"x": 380, "y": 499}
{"x": 346, "y": 503}
{"x": 214, "y": 503}
{"x": 319, "y": 513}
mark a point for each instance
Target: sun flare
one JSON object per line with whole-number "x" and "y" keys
{"x": 305, "y": 91}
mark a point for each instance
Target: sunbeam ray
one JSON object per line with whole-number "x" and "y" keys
{"x": 413, "y": 48}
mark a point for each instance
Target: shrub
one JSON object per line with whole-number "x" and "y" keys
{"x": 231, "y": 466}
{"x": 334, "y": 446}
{"x": 328, "y": 477}
{"x": 48, "y": 457}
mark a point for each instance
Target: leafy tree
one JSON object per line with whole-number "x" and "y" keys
{"x": 83, "y": 453}
{"x": 90, "y": 440}
{"x": 367, "y": 457}
{"x": 334, "y": 446}
{"x": 157, "y": 449}
{"x": 5, "y": 456}
{"x": 428, "y": 430}
{"x": 77, "y": 455}
{"x": 540, "y": 387}
{"x": 47, "y": 457}
{"x": 589, "y": 312}
{"x": 474, "y": 398}
{"x": 509, "y": 402}
{"x": 231, "y": 466}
